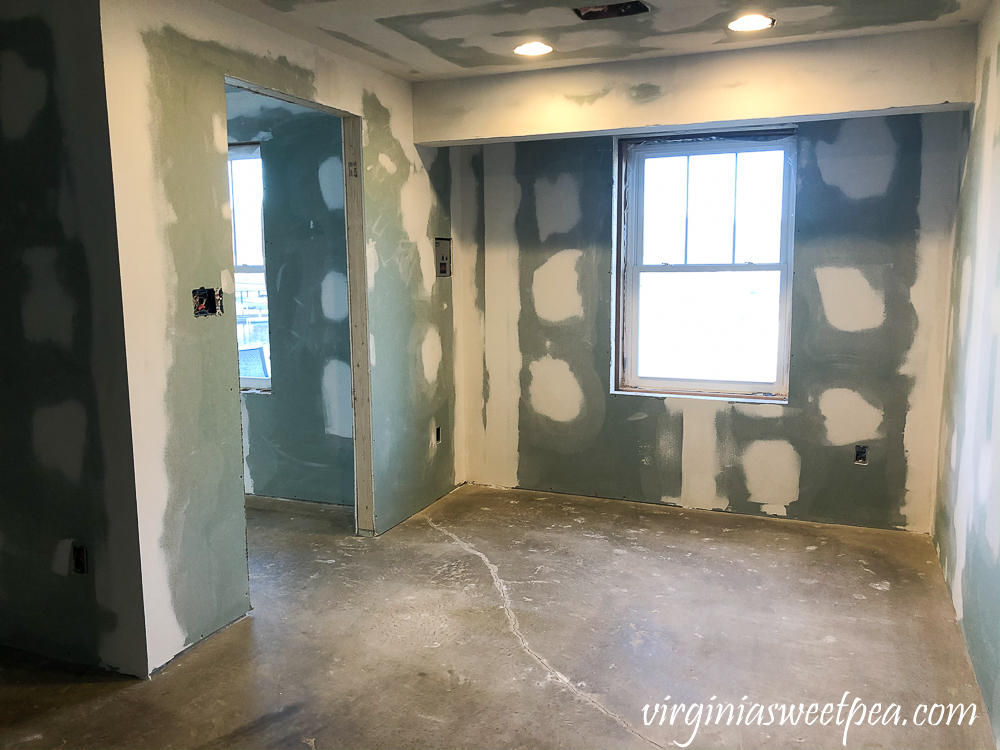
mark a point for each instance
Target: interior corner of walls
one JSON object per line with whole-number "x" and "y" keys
{"x": 941, "y": 159}
{"x": 503, "y": 353}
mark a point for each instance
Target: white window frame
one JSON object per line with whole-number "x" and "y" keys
{"x": 246, "y": 151}
{"x": 631, "y": 154}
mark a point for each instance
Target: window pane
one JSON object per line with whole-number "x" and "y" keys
{"x": 247, "y": 198}
{"x": 709, "y": 325}
{"x": 246, "y": 195}
{"x": 664, "y": 210}
{"x": 711, "y": 199}
{"x": 252, "y": 326}
{"x": 759, "y": 179}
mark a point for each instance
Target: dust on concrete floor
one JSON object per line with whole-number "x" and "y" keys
{"x": 527, "y": 619}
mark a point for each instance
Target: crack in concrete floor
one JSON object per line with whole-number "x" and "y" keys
{"x": 501, "y": 586}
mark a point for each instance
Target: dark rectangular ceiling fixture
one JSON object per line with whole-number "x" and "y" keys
{"x": 616, "y": 10}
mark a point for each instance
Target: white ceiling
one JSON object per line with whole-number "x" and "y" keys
{"x": 436, "y": 39}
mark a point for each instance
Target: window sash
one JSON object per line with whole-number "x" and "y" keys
{"x": 632, "y": 174}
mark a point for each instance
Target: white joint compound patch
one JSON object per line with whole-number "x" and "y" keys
{"x": 849, "y": 418}
{"x": 699, "y": 453}
{"x": 772, "y": 470}
{"x": 226, "y": 281}
{"x": 554, "y": 391}
{"x": 338, "y": 413}
{"x": 371, "y": 263}
{"x": 862, "y": 159}
{"x": 387, "y": 164}
{"x": 331, "y": 182}
{"x": 557, "y": 204}
{"x": 849, "y": 301}
{"x": 61, "y": 556}
{"x": 555, "y": 287}
{"x": 761, "y": 410}
{"x": 23, "y": 92}
{"x": 47, "y": 310}
{"x": 247, "y": 479}
{"x": 333, "y": 296}
{"x": 430, "y": 354}
{"x": 416, "y": 201}
{"x": 58, "y": 434}
{"x": 803, "y": 14}
{"x": 220, "y": 133}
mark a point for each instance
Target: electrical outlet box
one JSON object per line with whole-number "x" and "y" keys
{"x": 861, "y": 455}
{"x": 442, "y": 252}
{"x": 207, "y": 301}
{"x": 437, "y": 434}
{"x": 80, "y": 562}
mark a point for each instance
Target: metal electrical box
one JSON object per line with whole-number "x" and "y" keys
{"x": 442, "y": 251}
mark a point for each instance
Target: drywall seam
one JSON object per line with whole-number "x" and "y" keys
{"x": 699, "y": 453}
{"x": 470, "y": 433}
{"x": 929, "y": 296}
{"x": 503, "y": 307}
{"x": 793, "y": 81}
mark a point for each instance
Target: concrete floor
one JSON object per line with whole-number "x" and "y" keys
{"x": 524, "y": 619}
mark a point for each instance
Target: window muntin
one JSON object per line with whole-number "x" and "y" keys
{"x": 246, "y": 200}
{"x": 705, "y": 266}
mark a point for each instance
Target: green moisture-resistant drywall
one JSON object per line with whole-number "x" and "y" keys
{"x": 857, "y": 209}
{"x": 409, "y": 318}
{"x": 967, "y": 529}
{"x": 298, "y": 436}
{"x": 204, "y": 537}
{"x": 609, "y": 449}
{"x": 64, "y": 420}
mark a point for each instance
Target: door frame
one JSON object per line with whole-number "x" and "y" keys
{"x": 357, "y": 294}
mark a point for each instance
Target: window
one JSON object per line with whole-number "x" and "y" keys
{"x": 246, "y": 198}
{"x": 705, "y": 266}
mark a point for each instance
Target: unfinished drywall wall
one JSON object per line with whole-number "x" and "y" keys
{"x": 967, "y": 529}
{"x": 875, "y": 211}
{"x": 298, "y": 437}
{"x": 165, "y": 65}
{"x": 407, "y": 193}
{"x": 66, "y": 439}
{"x": 820, "y": 78}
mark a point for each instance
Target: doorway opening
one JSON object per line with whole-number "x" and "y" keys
{"x": 300, "y": 319}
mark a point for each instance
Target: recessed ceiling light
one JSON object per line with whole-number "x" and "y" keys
{"x": 752, "y": 22}
{"x": 533, "y": 49}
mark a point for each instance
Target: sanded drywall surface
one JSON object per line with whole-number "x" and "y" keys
{"x": 820, "y": 78}
{"x": 298, "y": 437}
{"x": 875, "y": 209}
{"x": 967, "y": 528}
{"x": 165, "y": 65}
{"x": 65, "y": 434}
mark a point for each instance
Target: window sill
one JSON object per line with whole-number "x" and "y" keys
{"x": 733, "y": 398}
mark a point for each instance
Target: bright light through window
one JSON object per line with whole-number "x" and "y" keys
{"x": 246, "y": 194}
{"x": 706, "y": 266}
